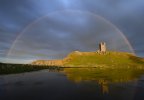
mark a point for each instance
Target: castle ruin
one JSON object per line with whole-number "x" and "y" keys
{"x": 102, "y": 47}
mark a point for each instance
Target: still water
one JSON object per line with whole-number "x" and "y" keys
{"x": 74, "y": 84}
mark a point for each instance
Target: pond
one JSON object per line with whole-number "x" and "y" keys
{"x": 74, "y": 84}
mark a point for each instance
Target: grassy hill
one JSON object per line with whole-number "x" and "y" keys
{"x": 110, "y": 59}
{"x": 114, "y": 60}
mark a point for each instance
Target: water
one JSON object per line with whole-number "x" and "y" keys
{"x": 74, "y": 84}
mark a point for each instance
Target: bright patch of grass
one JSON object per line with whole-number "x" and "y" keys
{"x": 110, "y": 59}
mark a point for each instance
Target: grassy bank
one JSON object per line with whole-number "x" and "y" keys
{"x": 20, "y": 68}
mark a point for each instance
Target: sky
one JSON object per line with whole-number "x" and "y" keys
{"x": 50, "y": 29}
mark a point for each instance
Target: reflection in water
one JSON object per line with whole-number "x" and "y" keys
{"x": 104, "y": 86}
{"x": 103, "y": 77}
{"x": 107, "y": 75}
{"x": 74, "y": 84}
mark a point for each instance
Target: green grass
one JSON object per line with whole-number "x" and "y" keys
{"x": 114, "y": 60}
{"x": 21, "y": 68}
{"x": 93, "y": 59}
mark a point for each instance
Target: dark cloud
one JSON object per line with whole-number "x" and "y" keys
{"x": 56, "y": 36}
{"x": 54, "y": 32}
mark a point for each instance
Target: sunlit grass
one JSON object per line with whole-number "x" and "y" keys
{"x": 110, "y": 59}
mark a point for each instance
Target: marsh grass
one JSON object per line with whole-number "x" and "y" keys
{"x": 21, "y": 68}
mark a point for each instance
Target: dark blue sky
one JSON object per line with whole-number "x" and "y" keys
{"x": 62, "y": 32}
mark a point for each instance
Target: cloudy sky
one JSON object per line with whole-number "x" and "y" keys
{"x": 50, "y": 29}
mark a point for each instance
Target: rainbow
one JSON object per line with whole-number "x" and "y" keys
{"x": 63, "y": 11}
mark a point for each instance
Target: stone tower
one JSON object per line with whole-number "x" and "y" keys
{"x": 102, "y": 47}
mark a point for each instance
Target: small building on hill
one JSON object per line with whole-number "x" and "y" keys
{"x": 102, "y": 47}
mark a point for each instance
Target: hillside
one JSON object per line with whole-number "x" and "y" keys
{"x": 95, "y": 59}
{"x": 110, "y": 59}
{"x": 48, "y": 62}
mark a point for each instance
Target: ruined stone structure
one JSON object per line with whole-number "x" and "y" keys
{"x": 49, "y": 62}
{"x": 102, "y": 47}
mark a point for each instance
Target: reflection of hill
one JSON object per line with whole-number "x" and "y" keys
{"x": 103, "y": 75}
